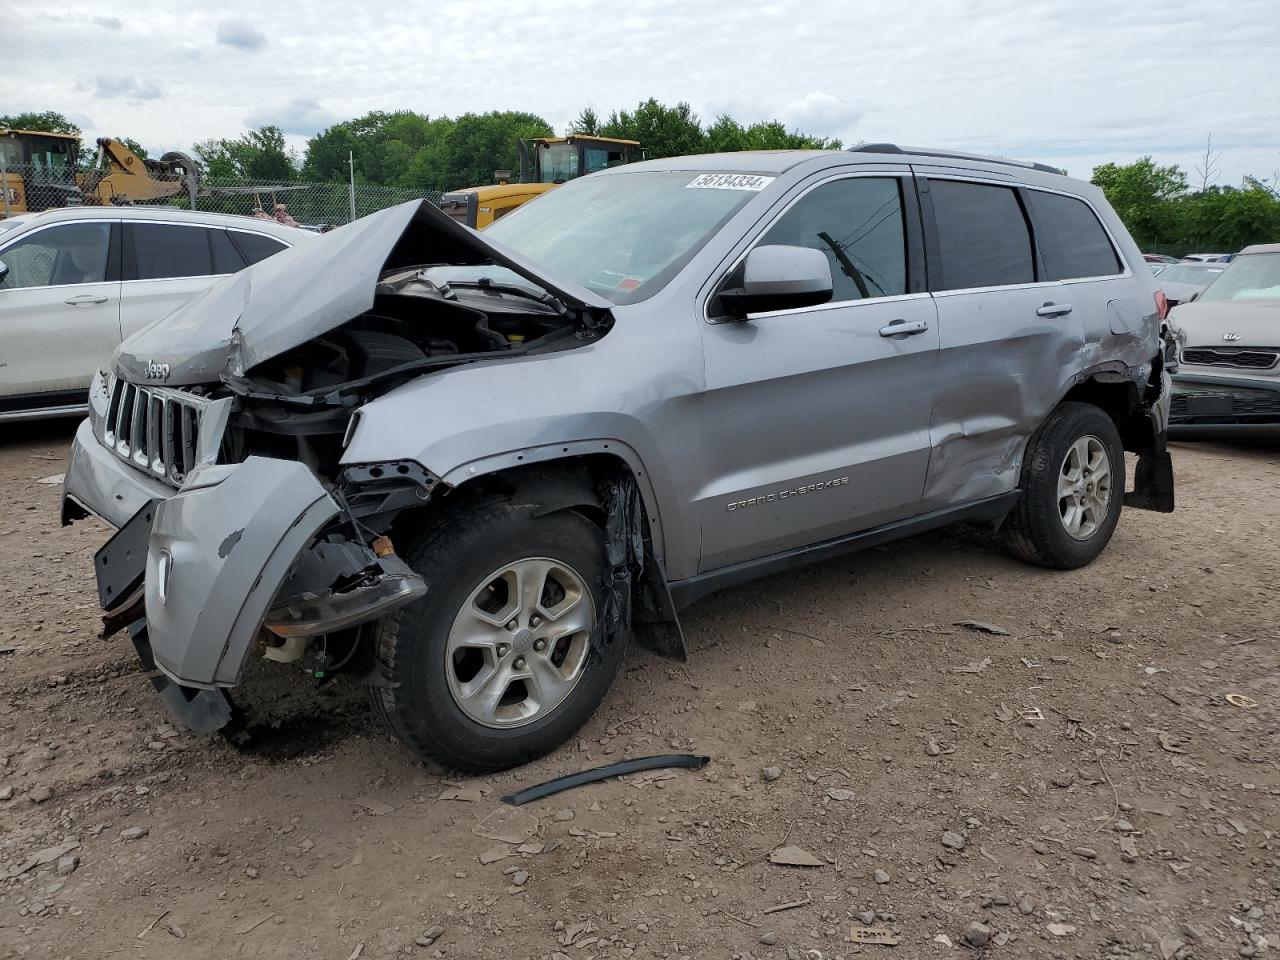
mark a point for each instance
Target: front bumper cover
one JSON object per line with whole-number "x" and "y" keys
{"x": 240, "y": 547}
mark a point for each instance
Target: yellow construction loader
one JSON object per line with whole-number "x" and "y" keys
{"x": 39, "y": 170}
{"x": 545, "y": 163}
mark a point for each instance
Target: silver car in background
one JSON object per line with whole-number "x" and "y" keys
{"x": 1182, "y": 282}
{"x": 1228, "y": 380}
{"x": 467, "y": 467}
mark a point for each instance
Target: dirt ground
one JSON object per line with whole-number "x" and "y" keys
{"x": 1080, "y": 787}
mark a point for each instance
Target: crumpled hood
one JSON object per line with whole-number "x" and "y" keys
{"x": 312, "y": 288}
{"x": 1203, "y": 323}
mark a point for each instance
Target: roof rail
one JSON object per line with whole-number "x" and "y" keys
{"x": 952, "y": 155}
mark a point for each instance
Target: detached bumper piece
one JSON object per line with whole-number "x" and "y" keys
{"x": 202, "y": 711}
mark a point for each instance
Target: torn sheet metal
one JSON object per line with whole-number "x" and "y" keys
{"x": 624, "y": 552}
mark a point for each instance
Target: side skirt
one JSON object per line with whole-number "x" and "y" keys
{"x": 991, "y": 509}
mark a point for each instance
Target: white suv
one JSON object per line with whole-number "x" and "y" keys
{"x": 75, "y": 282}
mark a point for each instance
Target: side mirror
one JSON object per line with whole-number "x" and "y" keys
{"x": 776, "y": 277}
{"x": 4, "y": 271}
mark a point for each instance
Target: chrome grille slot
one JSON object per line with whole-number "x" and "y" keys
{"x": 156, "y": 429}
{"x": 1242, "y": 357}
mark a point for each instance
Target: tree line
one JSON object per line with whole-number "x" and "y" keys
{"x": 1165, "y": 214}
{"x": 413, "y": 151}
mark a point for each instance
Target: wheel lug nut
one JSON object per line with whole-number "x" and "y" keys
{"x": 502, "y": 649}
{"x": 512, "y": 625}
{"x": 534, "y": 621}
{"x": 519, "y": 664}
{"x": 539, "y": 644}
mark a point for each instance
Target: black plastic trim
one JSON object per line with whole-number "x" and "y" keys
{"x": 685, "y": 592}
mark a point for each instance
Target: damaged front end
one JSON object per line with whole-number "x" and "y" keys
{"x": 259, "y": 552}
{"x": 241, "y": 525}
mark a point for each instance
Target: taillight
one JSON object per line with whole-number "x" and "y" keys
{"x": 1162, "y": 304}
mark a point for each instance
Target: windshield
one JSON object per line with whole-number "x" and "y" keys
{"x": 1255, "y": 277}
{"x": 1191, "y": 273}
{"x": 624, "y": 236}
{"x": 558, "y": 162}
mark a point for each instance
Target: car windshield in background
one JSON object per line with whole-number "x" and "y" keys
{"x": 626, "y": 235}
{"x": 1191, "y": 273}
{"x": 1253, "y": 277}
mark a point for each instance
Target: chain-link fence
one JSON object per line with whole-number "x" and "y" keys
{"x": 30, "y": 188}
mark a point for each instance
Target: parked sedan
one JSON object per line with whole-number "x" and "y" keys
{"x": 74, "y": 282}
{"x": 1228, "y": 381}
{"x": 1182, "y": 281}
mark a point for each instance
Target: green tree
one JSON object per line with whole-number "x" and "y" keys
{"x": 663, "y": 131}
{"x": 47, "y": 122}
{"x": 586, "y": 123}
{"x": 727, "y": 134}
{"x": 480, "y": 143}
{"x": 388, "y": 148}
{"x": 1145, "y": 195}
{"x": 257, "y": 155}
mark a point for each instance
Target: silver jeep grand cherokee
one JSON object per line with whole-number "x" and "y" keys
{"x": 470, "y": 466}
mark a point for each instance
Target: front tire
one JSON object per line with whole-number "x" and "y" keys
{"x": 1072, "y": 489}
{"x": 502, "y": 660}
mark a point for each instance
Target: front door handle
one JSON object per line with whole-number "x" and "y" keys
{"x": 1053, "y": 310}
{"x": 87, "y": 298}
{"x": 901, "y": 328}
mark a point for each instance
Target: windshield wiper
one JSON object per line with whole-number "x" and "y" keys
{"x": 487, "y": 283}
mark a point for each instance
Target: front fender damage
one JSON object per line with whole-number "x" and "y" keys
{"x": 242, "y": 547}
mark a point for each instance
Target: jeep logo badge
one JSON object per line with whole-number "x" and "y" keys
{"x": 156, "y": 371}
{"x": 1231, "y": 337}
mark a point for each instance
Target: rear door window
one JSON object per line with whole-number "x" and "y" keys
{"x": 254, "y": 246}
{"x": 858, "y": 224}
{"x": 163, "y": 251}
{"x": 1072, "y": 242}
{"x": 983, "y": 238}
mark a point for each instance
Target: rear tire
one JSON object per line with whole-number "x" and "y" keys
{"x": 1072, "y": 489}
{"x": 466, "y": 688}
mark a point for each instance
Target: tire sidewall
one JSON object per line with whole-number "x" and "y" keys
{"x": 426, "y": 706}
{"x": 1076, "y": 422}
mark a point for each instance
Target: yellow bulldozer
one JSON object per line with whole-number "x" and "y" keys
{"x": 545, "y": 163}
{"x": 39, "y": 170}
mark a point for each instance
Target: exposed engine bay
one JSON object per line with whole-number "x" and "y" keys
{"x": 299, "y": 403}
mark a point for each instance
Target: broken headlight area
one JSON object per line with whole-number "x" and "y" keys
{"x": 337, "y": 584}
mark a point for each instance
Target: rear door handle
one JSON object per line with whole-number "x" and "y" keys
{"x": 901, "y": 328}
{"x": 1053, "y": 310}
{"x": 87, "y": 298}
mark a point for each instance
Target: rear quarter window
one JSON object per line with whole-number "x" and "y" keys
{"x": 254, "y": 246}
{"x": 983, "y": 240}
{"x": 1072, "y": 242}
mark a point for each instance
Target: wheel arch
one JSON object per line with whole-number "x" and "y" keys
{"x": 576, "y": 476}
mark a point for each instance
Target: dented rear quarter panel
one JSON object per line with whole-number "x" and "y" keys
{"x": 1002, "y": 368}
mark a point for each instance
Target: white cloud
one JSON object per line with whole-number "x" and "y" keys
{"x": 108, "y": 23}
{"x": 124, "y": 87}
{"x": 303, "y": 115}
{"x": 1071, "y": 82}
{"x": 242, "y": 34}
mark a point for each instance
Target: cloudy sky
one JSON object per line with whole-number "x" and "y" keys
{"x": 1070, "y": 83}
